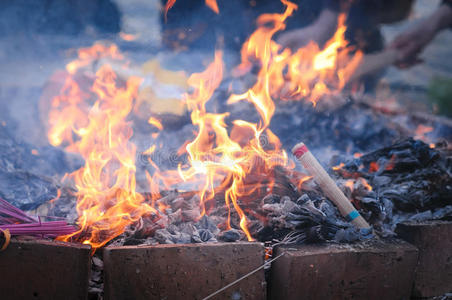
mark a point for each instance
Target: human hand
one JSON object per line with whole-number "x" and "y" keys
{"x": 410, "y": 43}
{"x": 319, "y": 32}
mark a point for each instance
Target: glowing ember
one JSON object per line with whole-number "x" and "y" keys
{"x": 373, "y": 167}
{"x": 338, "y": 167}
{"x": 357, "y": 155}
{"x": 128, "y": 37}
{"x": 365, "y": 184}
{"x": 391, "y": 163}
{"x": 421, "y": 132}
{"x": 350, "y": 184}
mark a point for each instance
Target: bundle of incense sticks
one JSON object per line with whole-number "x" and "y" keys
{"x": 18, "y": 222}
{"x": 328, "y": 186}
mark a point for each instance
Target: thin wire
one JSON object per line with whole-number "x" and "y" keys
{"x": 243, "y": 277}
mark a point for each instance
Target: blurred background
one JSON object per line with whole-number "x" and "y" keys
{"x": 39, "y": 37}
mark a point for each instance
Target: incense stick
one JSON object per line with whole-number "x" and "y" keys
{"x": 17, "y": 222}
{"x": 328, "y": 186}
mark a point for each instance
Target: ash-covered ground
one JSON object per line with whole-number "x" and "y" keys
{"x": 389, "y": 181}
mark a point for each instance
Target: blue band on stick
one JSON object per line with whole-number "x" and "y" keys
{"x": 352, "y": 215}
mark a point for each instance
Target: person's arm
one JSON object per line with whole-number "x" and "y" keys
{"x": 410, "y": 43}
{"x": 319, "y": 31}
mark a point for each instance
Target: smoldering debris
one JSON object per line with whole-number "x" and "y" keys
{"x": 412, "y": 182}
{"x": 30, "y": 176}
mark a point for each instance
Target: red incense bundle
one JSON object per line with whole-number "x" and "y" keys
{"x": 328, "y": 186}
{"x": 17, "y": 222}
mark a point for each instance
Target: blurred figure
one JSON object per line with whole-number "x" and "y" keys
{"x": 411, "y": 42}
{"x": 363, "y": 18}
{"x": 192, "y": 24}
{"x": 366, "y": 34}
{"x": 28, "y": 17}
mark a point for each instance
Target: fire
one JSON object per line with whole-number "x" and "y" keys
{"x": 303, "y": 180}
{"x": 128, "y": 37}
{"x": 69, "y": 108}
{"x": 373, "y": 167}
{"x": 168, "y": 5}
{"x": 222, "y": 160}
{"x": 215, "y": 154}
{"x": 88, "y": 55}
{"x": 350, "y": 184}
{"x": 222, "y": 155}
{"x": 366, "y": 184}
{"x": 156, "y": 123}
{"x": 338, "y": 167}
{"x": 310, "y": 72}
{"x": 107, "y": 201}
{"x": 106, "y": 198}
{"x": 212, "y": 4}
{"x": 391, "y": 163}
{"x": 421, "y": 132}
{"x": 357, "y": 155}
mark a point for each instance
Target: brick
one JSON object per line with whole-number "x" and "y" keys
{"x": 43, "y": 269}
{"x": 191, "y": 271}
{"x": 434, "y": 270}
{"x": 370, "y": 270}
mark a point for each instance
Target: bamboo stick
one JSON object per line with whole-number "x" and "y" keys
{"x": 328, "y": 186}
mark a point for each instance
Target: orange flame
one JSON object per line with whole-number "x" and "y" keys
{"x": 128, "y": 37}
{"x": 94, "y": 124}
{"x": 214, "y": 154}
{"x": 88, "y": 55}
{"x": 310, "y": 72}
{"x": 421, "y": 132}
{"x": 338, "y": 167}
{"x": 168, "y": 5}
{"x": 373, "y": 167}
{"x": 155, "y": 122}
{"x": 107, "y": 201}
{"x": 357, "y": 155}
{"x": 365, "y": 184}
{"x": 212, "y": 4}
{"x": 350, "y": 184}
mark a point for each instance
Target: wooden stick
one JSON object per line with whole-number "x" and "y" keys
{"x": 374, "y": 62}
{"x": 328, "y": 186}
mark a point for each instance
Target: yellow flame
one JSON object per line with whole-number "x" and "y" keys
{"x": 94, "y": 124}
{"x": 309, "y": 73}
{"x": 106, "y": 198}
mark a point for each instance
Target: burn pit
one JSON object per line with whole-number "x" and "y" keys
{"x": 220, "y": 169}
